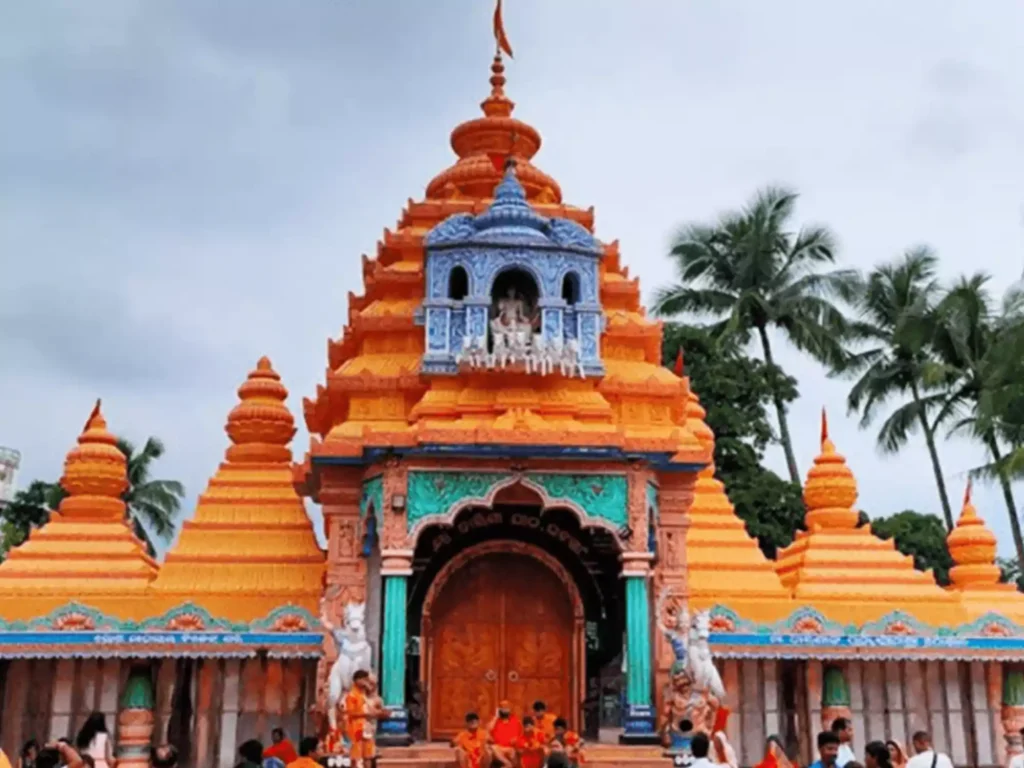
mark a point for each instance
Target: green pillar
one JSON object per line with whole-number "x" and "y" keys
{"x": 639, "y": 724}
{"x": 397, "y": 567}
{"x": 392, "y": 666}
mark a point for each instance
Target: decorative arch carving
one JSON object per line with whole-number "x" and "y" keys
{"x": 480, "y": 490}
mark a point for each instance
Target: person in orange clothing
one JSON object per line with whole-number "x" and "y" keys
{"x": 281, "y": 748}
{"x": 545, "y": 720}
{"x": 568, "y": 742}
{"x": 504, "y": 729}
{"x": 471, "y": 750}
{"x": 531, "y": 746}
{"x": 358, "y": 720}
{"x": 308, "y": 755}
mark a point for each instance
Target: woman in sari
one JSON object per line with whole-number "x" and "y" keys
{"x": 775, "y": 755}
{"x": 897, "y": 754}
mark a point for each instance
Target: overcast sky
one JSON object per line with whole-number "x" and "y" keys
{"x": 187, "y": 185}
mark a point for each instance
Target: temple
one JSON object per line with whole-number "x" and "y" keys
{"x": 520, "y": 503}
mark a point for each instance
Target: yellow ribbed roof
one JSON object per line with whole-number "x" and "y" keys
{"x": 846, "y": 572}
{"x": 86, "y": 552}
{"x": 976, "y": 576}
{"x": 250, "y": 547}
{"x": 725, "y": 565}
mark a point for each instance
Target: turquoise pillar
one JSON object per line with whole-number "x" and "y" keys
{"x": 639, "y": 725}
{"x": 394, "y": 730}
{"x": 393, "y": 656}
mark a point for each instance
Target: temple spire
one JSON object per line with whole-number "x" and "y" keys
{"x": 831, "y": 489}
{"x": 973, "y": 548}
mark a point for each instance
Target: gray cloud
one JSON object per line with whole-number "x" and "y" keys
{"x": 187, "y": 185}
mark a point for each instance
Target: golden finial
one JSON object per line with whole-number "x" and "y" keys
{"x": 831, "y": 489}
{"x": 973, "y": 548}
{"x": 95, "y": 473}
{"x": 261, "y": 426}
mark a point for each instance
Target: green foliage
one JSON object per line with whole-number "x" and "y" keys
{"x": 737, "y": 392}
{"x": 923, "y": 537}
{"x": 897, "y": 306}
{"x": 751, "y": 272}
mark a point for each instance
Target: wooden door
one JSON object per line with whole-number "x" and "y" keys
{"x": 501, "y": 629}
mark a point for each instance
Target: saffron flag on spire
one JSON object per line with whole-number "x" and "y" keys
{"x": 499, "y": 32}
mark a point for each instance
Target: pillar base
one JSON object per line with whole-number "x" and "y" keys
{"x": 394, "y": 732}
{"x": 639, "y": 726}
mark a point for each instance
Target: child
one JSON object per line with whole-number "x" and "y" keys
{"x": 531, "y": 746}
{"x": 471, "y": 744}
{"x": 568, "y": 742}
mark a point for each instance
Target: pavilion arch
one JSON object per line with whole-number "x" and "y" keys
{"x": 521, "y": 481}
{"x": 458, "y": 283}
{"x": 571, "y": 288}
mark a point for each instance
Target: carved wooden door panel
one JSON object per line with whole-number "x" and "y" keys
{"x": 501, "y": 629}
{"x": 538, "y": 661}
{"x": 466, "y": 648}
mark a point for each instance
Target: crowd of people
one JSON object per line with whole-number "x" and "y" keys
{"x": 92, "y": 748}
{"x": 534, "y": 741}
{"x": 835, "y": 750}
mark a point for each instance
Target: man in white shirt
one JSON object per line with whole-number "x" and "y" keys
{"x": 700, "y": 745}
{"x": 1017, "y": 761}
{"x": 926, "y": 756}
{"x": 843, "y": 728}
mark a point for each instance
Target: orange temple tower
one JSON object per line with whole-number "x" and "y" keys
{"x": 520, "y": 503}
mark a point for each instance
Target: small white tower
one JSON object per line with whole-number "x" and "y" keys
{"x": 10, "y": 460}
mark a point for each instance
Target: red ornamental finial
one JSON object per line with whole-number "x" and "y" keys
{"x": 967, "y": 492}
{"x": 679, "y": 363}
{"x": 824, "y": 426}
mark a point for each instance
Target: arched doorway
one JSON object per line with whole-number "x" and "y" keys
{"x": 503, "y": 620}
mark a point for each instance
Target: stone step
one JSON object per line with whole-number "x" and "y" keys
{"x": 598, "y": 756}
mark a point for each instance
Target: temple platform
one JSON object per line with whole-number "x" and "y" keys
{"x": 428, "y": 755}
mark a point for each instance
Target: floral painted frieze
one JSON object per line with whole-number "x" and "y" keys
{"x": 188, "y": 630}
{"x": 807, "y": 633}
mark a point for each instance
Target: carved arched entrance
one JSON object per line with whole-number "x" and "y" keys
{"x": 502, "y": 620}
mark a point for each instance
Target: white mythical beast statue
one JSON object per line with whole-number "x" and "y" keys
{"x": 354, "y": 653}
{"x": 702, "y": 666}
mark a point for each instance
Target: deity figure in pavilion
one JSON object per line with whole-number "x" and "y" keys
{"x": 512, "y": 312}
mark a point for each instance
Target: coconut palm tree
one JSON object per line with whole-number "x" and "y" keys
{"x": 897, "y": 311}
{"x": 973, "y": 341}
{"x": 153, "y": 505}
{"x": 751, "y": 272}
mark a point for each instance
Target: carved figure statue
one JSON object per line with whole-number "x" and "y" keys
{"x": 570, "y": 360}
{"x": 683, "y": 701}
{"x": 354, "y": 653}
{"x": 695, "y": 690}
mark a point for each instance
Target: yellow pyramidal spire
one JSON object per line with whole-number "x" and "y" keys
{"x": 250, "y": 547}
{"x": 86, "y": 552}
{"x": 724, "y": 564}
{"x": 976, "y": 576}
{"x": 846, "y": 571}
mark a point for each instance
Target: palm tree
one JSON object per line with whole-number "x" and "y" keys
{"x": 897, "y": 310}
{"x": 973, "y": 342}
{"x": 750, "y": 272}
{"x": 153, "y": 505}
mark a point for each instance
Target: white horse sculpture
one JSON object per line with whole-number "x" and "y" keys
{"x": 354, "y": 653}
{"x": 569, "y": 361}
{"x": 702, "y": 666}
